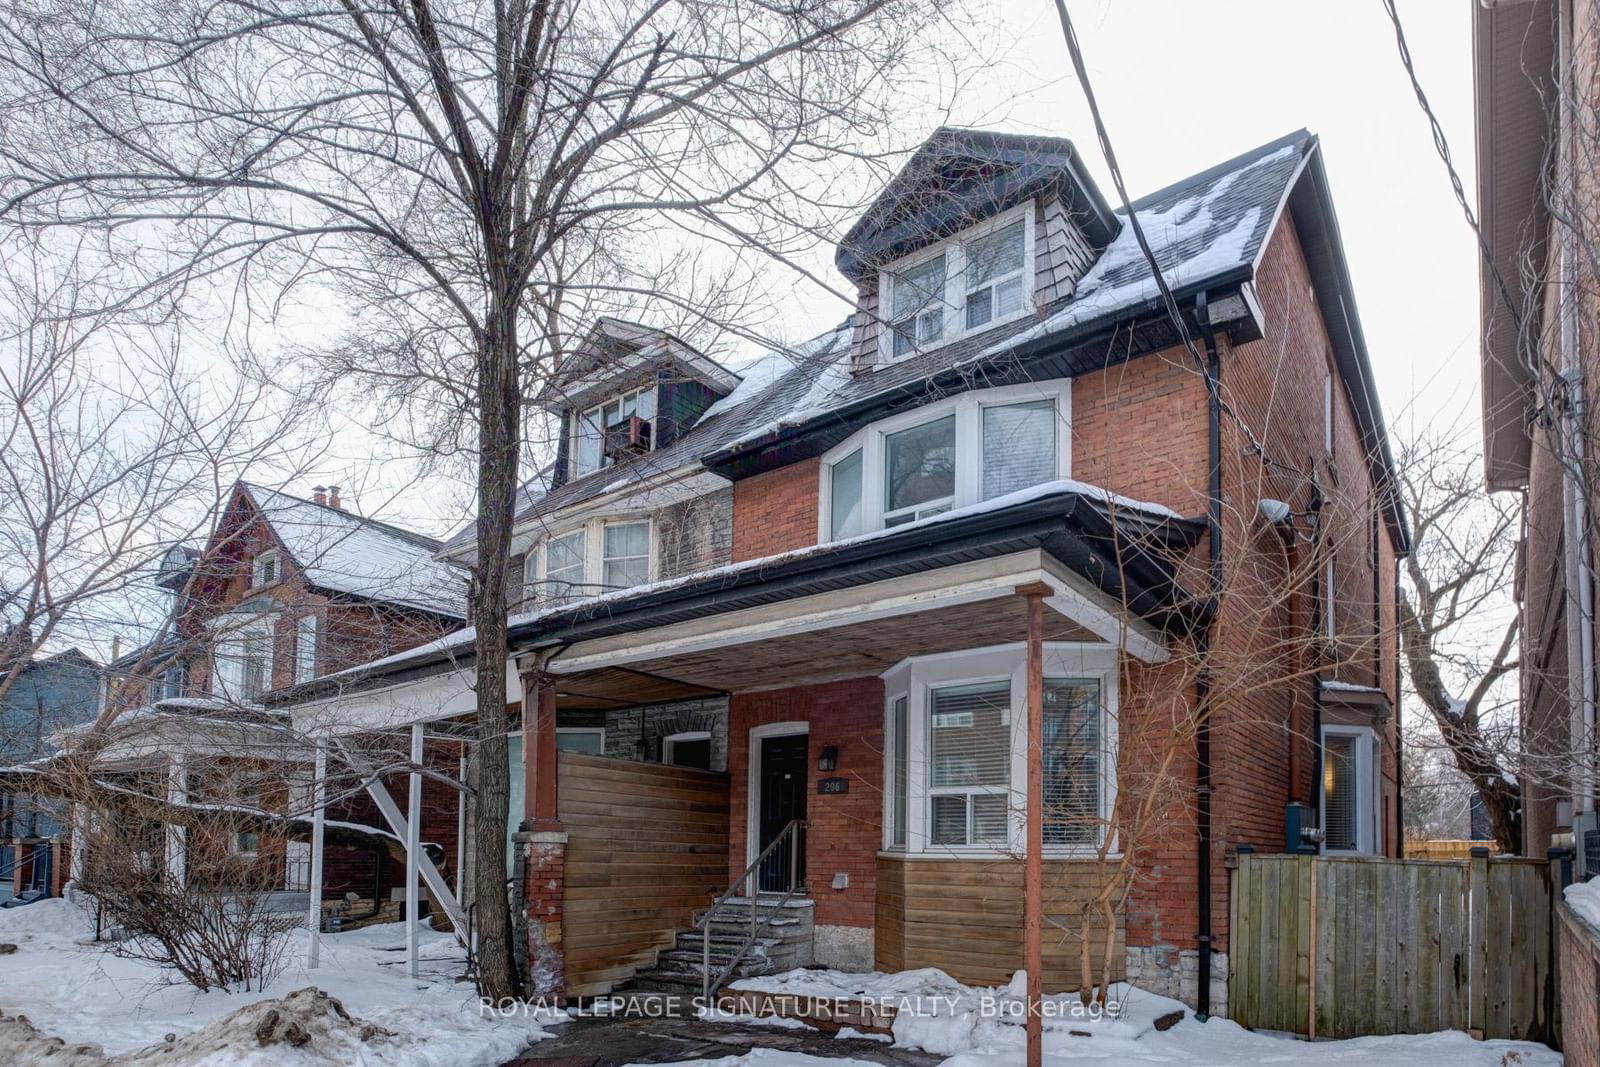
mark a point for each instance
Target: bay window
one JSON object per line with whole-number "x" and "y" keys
{"x": 587, "y": 444}
{"x": 956, "y": 751}
{"x": 971, "y": 448}
{"x": 970, "y": 282}
{"x": 241, "y": 668}
{"x": 598, "y": 557}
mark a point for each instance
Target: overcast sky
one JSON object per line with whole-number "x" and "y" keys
{"x": 1184, "y": 85}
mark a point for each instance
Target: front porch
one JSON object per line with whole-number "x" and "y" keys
{"x": 914, "y": 846}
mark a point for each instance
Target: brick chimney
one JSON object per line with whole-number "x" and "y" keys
{"x": 319, "y": 494}
{"x": 333, "y": 497}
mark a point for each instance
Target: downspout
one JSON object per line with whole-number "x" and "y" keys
{"x": 1202, "y": 685}
{"x": 1575, "y": 509}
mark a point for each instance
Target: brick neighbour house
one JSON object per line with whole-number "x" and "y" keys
{"x": 1536, "y": 72}
{"x": 285, "y": 589}
{"x": 1008, "y": 410}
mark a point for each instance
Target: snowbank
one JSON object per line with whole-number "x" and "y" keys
{"x": 1584, "y": 898}
{"x": 79, "y": 991}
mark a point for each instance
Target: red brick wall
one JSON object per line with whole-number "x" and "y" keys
{"x": 1139, "y": 427}
{"x": 1578, "y": 952}
{"x": 843, "y": 832}
{"x": 776, "y": 511}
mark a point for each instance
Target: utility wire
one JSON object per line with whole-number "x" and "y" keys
{"x": 1174, "y": 312}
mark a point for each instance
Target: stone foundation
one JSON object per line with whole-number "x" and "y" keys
{"x": 1175, "y": 973}
{"x": 844, "y": 948}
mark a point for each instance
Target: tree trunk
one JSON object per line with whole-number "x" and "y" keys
{"x": 1458, "y": 726}
{"x": 499, "y": 439}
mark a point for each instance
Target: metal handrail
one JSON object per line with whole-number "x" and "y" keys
{"x": 753, "y": 892}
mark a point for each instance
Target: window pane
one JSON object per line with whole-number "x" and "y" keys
{"x": 897, "y": 800}
{"x": 1339, "y": 792}
{"x": 949, "y": 820}
{"x": 305, "y": 648}
{"x": 1071, "y": 758}
{"x": 695, "y": 753}
{"x": 1019, "y": 446}
{"x": 844, "y": 497}
{"x": 626, "y": 555}
{"x": 989, "y": 819}
{"x": 589, "y": 742}
{"x": 980, "y": 307}
{"x": 995, "y": 254}
{"x": 971, "y": 735}
{"x": 563, "y": 569}
{"x": 920, "y": 464}
{"x": 917, "y": 289}
{"x": 587, "y": 442}
{"x": 645, "y": 405}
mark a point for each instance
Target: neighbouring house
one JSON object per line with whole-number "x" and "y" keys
{"x": 1535, "y": 66}
{"x": 778, "y": 624}
{"x": 49, "y": 693}
{"x": 285, "y": 590}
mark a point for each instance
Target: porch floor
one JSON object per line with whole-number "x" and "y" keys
{"x": 611, "y": 1042}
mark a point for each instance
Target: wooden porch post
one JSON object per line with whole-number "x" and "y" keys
{"x": 539, "y": 783}
{"x": 319, "y": 802}
{"x": 413, "y": 848}
{"x": 1033, "y": 869}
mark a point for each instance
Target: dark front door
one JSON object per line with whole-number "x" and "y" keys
{"x": 783, "y": 798}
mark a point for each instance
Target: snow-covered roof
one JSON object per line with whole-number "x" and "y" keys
{"x": 347, "y": 553}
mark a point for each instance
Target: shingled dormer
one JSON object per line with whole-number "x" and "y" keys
{"x": 978, "y": 229}
{"x": 628, "y": 389}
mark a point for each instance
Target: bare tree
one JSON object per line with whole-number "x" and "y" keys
{"x": 455, "y": 178}
{"x": 1459, "y": 632}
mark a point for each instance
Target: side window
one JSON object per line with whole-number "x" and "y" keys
{"x": 625, "y": 555}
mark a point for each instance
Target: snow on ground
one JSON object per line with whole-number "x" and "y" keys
{"x": 71, "y": 987}
{"x": 982, "y": 1027}
{"x": 1584, "y": 898}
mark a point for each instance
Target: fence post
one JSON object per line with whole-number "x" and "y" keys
{"x": 1243, "y": 939}
{"x": 1561, "y": 860}
{"x": 1478, "y": 971}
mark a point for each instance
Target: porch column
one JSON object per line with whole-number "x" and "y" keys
{"x": 177, "y": 836}
{"x": 413, "y": 847}
{"x": 319, "y": 800}
{"x": 1033, "y": 869}
{"x": 541, "y": 840}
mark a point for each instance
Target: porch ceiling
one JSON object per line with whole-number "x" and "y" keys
{"x": 854, "y": 650}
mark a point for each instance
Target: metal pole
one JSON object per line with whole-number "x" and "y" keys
{"x": 1033, "y": 871}
{"x": 319, "y": 799}
{"x": 413, "y": 847}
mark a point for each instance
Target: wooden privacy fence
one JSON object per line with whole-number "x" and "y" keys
{"x": 1337, "y": 947}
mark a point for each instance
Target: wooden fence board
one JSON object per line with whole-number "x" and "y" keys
{"x": 1391, "y": 946}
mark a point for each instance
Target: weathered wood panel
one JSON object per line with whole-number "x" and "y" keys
{"x": 965, "y": 917}
{"x": 1341, "y": 947}
{"x": 647, "y": 846}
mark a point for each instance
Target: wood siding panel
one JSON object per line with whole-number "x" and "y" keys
{"x": 1062, "y": 254}
{"x": 647, "y": 846}
{"x": 965, "y": 917}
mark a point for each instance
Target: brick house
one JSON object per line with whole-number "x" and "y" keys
{"x": 792, "y": 607}
{"x": 285, "y": 590}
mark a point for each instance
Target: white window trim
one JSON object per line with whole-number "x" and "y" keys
{"x": 670, "y": 742}
{"x": 968, "y": 410}
{"x": 579, "y": 415}
{"x": 267, "y": 555}
{"x": 305, "y": 659}
{"x": 752, "y": 792}
{"x": 234, "y": 627}
{"x": 593, "y": 553}
{"x": 1368, "y": 837}
{"x": 917, "y": 677}
{"x": 953, "y": 248}
{"x": 598, "y": 731}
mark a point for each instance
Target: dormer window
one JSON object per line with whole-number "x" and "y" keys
{"x": 593, "y": 447}
{"x": 971, "y": 282}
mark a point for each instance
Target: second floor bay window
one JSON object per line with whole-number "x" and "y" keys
{"x": 601, "y": 556}
{"x": 952, "y": 454}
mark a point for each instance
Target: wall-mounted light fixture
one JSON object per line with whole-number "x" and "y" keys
{"x": 828, "y": 760}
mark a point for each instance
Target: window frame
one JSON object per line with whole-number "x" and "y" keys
{"x": 968, "y": 409}
{"x": 305, "y": 648}
{"x": 670, "y": 742}
{"x": 230, "y": 632}
{"x": 578, "y": 416}
{"x": 236, "y": 836}
{"x": 1369, "y": 788}
{"x": 265, "y": 556}
{"x": 536, "y": 569}
{"x": 916, "y": 678}
{"x": 954, "y": 298}
{"x": 570, "y": 731}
